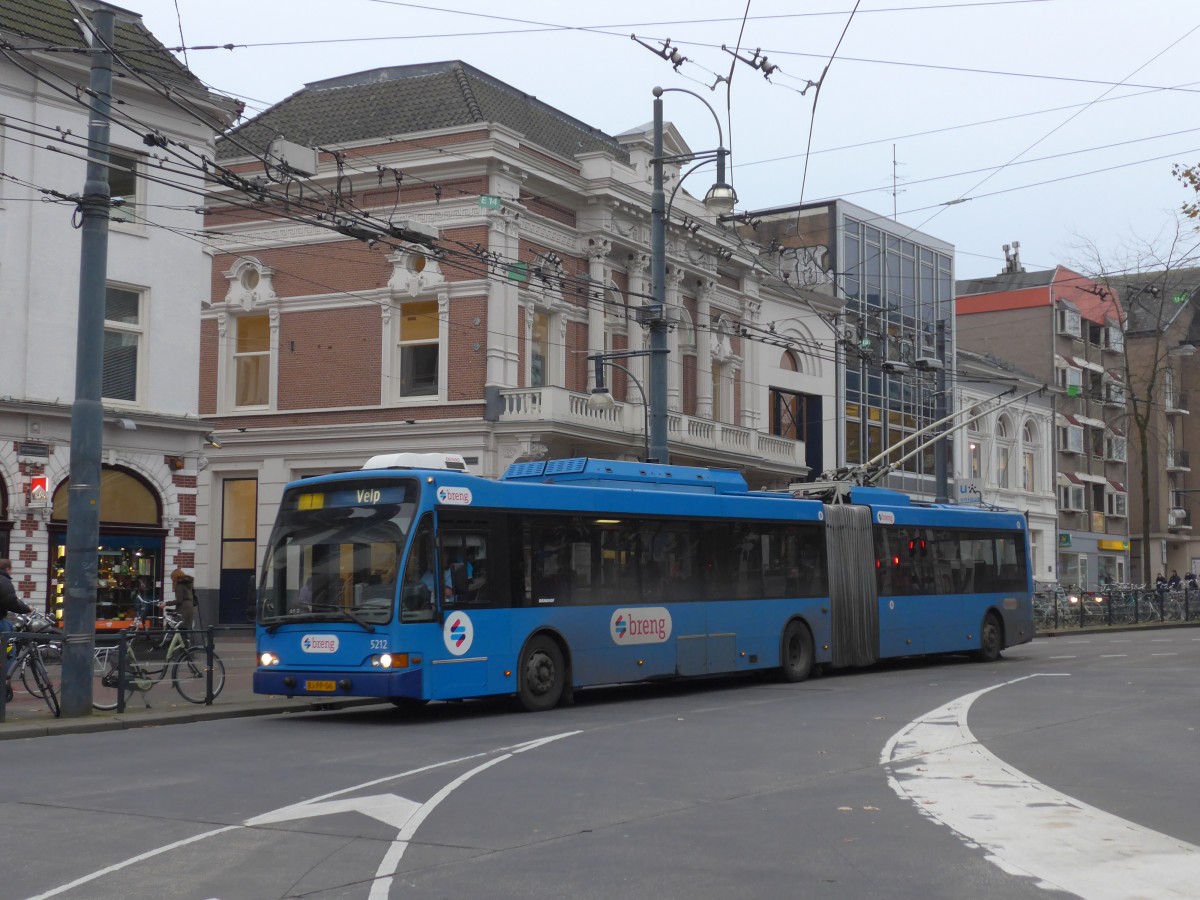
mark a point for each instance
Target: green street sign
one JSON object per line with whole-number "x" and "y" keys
{"x": 489, "y": 201}
{"x": 1180, "y": 297}
{"x": 518, "y": 271}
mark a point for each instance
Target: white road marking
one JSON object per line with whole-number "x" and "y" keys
{"x": 1030, "y": 829}
{"x": 1173, "y": 653}
{"x": 392, "y": 809}
{"x": 1064, "y": 657}
{"x": 1113, "y": 655}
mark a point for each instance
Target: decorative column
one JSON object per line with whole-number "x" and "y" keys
{"x": 639, "y": 287}
{"x": 705, "y": 346}
{"x": 597, "y": 252}
{"x": 503, "y": 354}
{"x": 674, "y": 308}
{"x": 752, "y": 394}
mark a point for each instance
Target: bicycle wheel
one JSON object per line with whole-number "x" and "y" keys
{"x": 105, "y": 693}
{"x": 51, "y": 656}
{"x": 42, "y": 679}
{"x": 190, "y": 674}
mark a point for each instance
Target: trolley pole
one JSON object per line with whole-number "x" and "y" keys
{"x": 87, "y": 414}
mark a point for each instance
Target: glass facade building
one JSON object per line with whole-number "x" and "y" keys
{"x": 895, "y": 288}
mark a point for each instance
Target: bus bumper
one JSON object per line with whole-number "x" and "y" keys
{"x": 293, "y": 683}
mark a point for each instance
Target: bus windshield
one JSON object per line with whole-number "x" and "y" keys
{"x": 335, "y": 552}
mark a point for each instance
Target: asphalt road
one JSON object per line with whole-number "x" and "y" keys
{"x": 850, "y": 786}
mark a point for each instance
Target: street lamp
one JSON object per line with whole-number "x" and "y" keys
{"x": 720, "y": 200}
{"x": 602, "y": 399}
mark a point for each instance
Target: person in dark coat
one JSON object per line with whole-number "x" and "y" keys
{"x": 9, "y": 601}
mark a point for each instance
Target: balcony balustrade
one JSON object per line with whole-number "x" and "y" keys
{"x": 567, "y": 410}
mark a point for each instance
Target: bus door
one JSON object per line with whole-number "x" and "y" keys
{"x": 906, "y": 609}
{"x": 672, "y": 580}
{"x": 474, "y": 631}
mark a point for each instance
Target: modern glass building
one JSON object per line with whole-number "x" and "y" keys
{"x": 895, "y": 347}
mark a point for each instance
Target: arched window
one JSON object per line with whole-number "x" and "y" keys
{"x": 975, "y": 445}
{"x": 1003, "y": 451}
{"x": 124, "y": 500}
{"x": 788, "y": 362}
{"x": 1029, "y": 451}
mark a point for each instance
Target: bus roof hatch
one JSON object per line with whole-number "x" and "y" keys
{"x": 450, "y": 461}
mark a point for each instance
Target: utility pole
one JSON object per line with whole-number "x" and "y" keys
{"x": 658, "y": 288}
{"x": 940, "y": 474}
{"x": 87, "y": 413}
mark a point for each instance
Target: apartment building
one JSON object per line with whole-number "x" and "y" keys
{"x": 515, "y": 248}
{"x": 1162, "y": 333}
{"x": 1065, "y": 329}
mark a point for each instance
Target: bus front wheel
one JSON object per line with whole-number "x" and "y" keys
{"x": 991, "y": 639}
{"x": 542, "y": 675}
{"x": 796, "y": 652}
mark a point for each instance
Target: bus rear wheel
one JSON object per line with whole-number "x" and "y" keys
{"x": 991, "y": 639}
{"x": 796, "y": 653}
{"x": 542, "y": 675}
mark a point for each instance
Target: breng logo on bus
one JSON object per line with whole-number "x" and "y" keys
{"x": 319, "y": 643}
{"x": 458, "y": 633}
{"x": 454, "y": 496}
{"x": 649, "y": 625}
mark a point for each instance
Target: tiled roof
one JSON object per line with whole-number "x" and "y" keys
{"x": 48, "y": 23}
{"x": 406, "y": 99}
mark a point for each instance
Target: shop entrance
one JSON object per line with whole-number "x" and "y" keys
{"x": 130, "y": 551}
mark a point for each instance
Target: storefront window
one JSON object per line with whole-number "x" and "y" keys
{"x": 129, "y": 552}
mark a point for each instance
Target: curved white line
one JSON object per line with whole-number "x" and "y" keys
{"x": 1027, "y": 828}
{"x": 296, "y": 811}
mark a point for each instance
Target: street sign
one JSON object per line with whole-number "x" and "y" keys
{"x": 489, "y": 201}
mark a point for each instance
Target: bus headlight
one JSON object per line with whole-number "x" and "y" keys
{"x": 390, "y": 661}
{"x": 267, "y": 658}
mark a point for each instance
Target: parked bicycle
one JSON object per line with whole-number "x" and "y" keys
{"x": 188, "y": 666}
{"x": 25, "y": 655}
{"x": 49, "y": 651}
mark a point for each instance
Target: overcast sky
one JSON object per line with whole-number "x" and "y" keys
{"x": 1049, "y": 122}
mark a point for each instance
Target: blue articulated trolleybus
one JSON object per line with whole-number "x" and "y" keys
{"x": 414, "y": 580}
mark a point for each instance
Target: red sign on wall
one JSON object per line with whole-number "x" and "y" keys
{"x": 39, "y": 489}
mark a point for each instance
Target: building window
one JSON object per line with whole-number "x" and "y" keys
{"x": 1069, "y": 322}
{"x": 123, "y": 184}
{"x": 1070, "y": 438}
{"x": 1070, "y": 379}
{"x": 1070, "y": 497}
{"x": 1116, "y": 505}
{"x": 1028, "y": 472}
{"x": 252, "y": 361}
{"x": 419, "y": 349}
{"x": 788, "y": 414}
{"x": 123, "y": 342}
{"x": 539, "y": 349}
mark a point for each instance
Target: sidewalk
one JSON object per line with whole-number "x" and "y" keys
{"x": 27, "y": 716}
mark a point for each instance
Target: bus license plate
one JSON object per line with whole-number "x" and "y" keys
{"x": 327, "y": 686}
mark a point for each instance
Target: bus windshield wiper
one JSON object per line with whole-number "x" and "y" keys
{"x": 348, "y": 613}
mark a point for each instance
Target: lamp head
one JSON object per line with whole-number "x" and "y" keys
{"x": 720, "y": 199}
{"x": 601, "y": 399}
